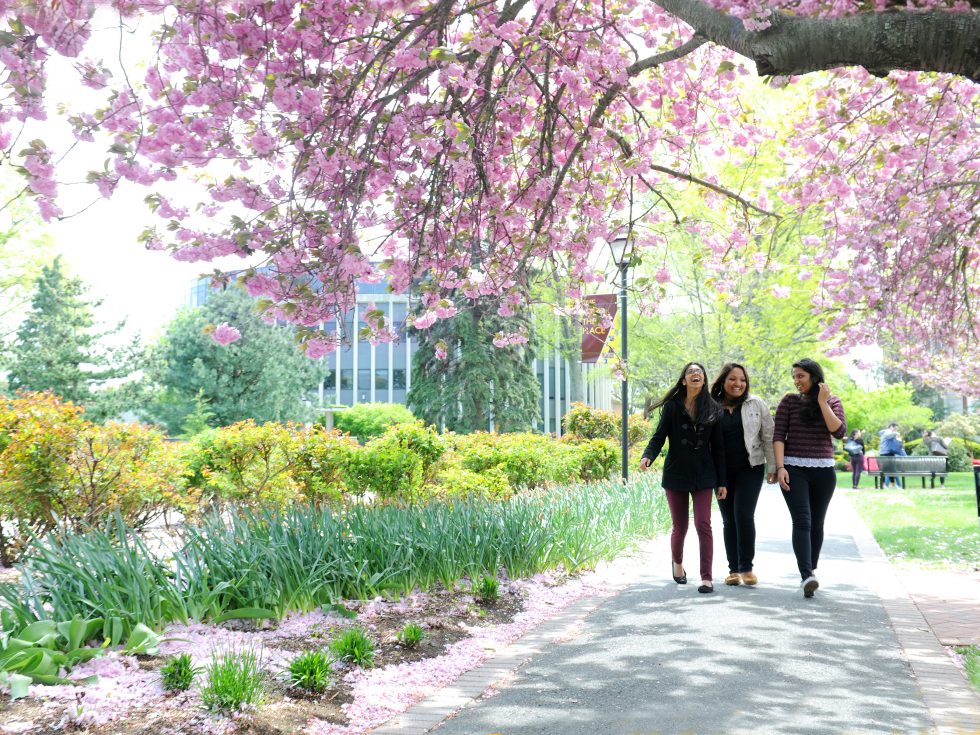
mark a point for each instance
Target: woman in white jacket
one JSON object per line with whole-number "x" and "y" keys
{"x": 747, "y": 428}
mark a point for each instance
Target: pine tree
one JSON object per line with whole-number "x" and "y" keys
{"x": 57, "y": 347}
{"x": 477, "y": 382}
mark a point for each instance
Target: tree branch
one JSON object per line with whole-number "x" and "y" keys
{"x": 937, "y": 40}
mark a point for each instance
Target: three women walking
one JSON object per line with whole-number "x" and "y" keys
{"x": 723, "y": 441}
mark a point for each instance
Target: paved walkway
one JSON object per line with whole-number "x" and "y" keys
{"x": 661, "y": 658}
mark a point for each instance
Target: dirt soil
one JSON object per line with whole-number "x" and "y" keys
{"x": 285, "y": 710}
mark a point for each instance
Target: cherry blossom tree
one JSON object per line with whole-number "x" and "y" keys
{"x": 470, "y": 147}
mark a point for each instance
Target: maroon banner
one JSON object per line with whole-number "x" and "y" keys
{"x": 594, "y": 338}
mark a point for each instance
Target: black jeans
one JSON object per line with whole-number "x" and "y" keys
{"x": 808, "y": 497}
{"x": 857, "y": 467}
{"x": 738, "y": 514}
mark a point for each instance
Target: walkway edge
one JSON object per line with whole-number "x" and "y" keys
{"x": 953, "y": 703}
{"x": 422, "y": 717}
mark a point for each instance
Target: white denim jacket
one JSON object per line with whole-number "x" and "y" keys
{"x": 757, "y": 426}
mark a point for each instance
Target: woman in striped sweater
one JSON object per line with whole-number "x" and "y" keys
{"x": 806, "y": 423}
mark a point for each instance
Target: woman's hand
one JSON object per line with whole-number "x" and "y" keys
{"x": 782, "y": 475}
{"x": 721, "y": 492}
{"x": 823, "y": 395}
{"x": 771, "y": 478}
{"x": 644, "y": 463}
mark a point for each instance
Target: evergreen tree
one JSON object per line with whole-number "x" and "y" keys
{"x": 262, "y": 376}
{"x": 56, "y": 347}
{"x": 476, "y": 382}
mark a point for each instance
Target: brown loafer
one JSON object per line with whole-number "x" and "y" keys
{"x": 749, "y": 578}
{"x": 733, "y": 579}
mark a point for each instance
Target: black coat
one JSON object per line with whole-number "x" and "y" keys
{"x": 695, "y": 454}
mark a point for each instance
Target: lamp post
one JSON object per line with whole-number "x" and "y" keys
{"x": 621, "y": 248}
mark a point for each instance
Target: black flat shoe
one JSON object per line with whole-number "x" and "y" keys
{"x": 681, "y": 579}
{"x": 706, "y": 588}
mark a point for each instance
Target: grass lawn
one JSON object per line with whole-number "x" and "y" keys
{"x": 930, "y": 527}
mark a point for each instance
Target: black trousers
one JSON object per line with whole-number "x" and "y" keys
{"x": 808, "y": 497}
{"x": 738, "y": 514}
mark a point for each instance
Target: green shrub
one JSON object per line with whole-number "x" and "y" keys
{"x": 389, "y": 472}
{"x": 323, "y": 463}
{"x": 178, "y": 673}
{"x": 55, "y": 463}
{"x": 248, "y": 464}
{"x": 411, "y": 635}
{"x": 310, "y": 670}
{"x": 597, "y": 459}
{"x": 526, "y": 460}
{"x": 354, "y": 646}
{"x": 595, "y": 423}
{"x": 368, "y": 420}
{"x": 453, "y": 481}
{"x": 591, "y": 423}
{"x": 417, "y": 438}
{"x": 958, "y": 459}
{"x": 234, "y": 681}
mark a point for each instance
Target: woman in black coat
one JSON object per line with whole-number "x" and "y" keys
{"x": 694, "y": 467}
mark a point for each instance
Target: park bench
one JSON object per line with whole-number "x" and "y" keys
{"x": 902, "y": 467}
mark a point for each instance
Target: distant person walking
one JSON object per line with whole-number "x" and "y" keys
{"x": 937, "y": 448}
{"x": 854, "y": 446}
{"x": 806, "y": 423}
{"x": 746, "y": 427}
{"x": 891, "y": 445}
{"x": 694, "y": 467}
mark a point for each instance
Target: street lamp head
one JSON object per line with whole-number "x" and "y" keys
{"x": 621, "y": 247}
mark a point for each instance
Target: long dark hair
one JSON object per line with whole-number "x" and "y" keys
{"x": 811, "y": 409}
{"x": 706, "y": 410}
{"x": 718, "y": 387}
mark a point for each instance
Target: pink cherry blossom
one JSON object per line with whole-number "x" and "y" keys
{"x": 224, "y": 334}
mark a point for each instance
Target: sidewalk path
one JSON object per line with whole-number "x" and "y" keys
{"x": 661, "y": 658}
{"x": 949, "y": 601}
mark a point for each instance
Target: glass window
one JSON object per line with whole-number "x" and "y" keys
{"x": 398, "y": 379}
{"x": 330, "y": 380}
{"x": 346, "y": 379}
{"x": 381, "y": 379}
{"x": 364, "y": 379}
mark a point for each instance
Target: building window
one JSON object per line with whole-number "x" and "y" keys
{"x": 381, "y": 379}
{"x": 330, "y": 380}
{"x": 364, "y": 379}
{"x": 346, "y": 379}
{"x": 398, "y": 379}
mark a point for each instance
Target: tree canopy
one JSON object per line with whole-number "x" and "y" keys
{"x": 483, "y": 145}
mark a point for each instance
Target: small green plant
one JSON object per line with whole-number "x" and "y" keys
{"x": 487, "y": 589}
{"x": 971, "y": 663}
{"x": 178, "y": 673}
{"x": 411, "y": 635}
{"x": 310, "y": 671}
{"x": 354, "y": 645}
{"x": 234, "y": 681}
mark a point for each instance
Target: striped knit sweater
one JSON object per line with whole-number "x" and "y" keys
{"x": 806, "y": 439}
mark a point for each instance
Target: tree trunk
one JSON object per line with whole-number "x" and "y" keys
{"x": 938, "y": 40}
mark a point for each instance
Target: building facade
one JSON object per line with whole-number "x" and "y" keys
{"x": 361, "y": 372}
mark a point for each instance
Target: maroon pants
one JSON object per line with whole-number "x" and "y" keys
{"x": 679, "y": 503}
